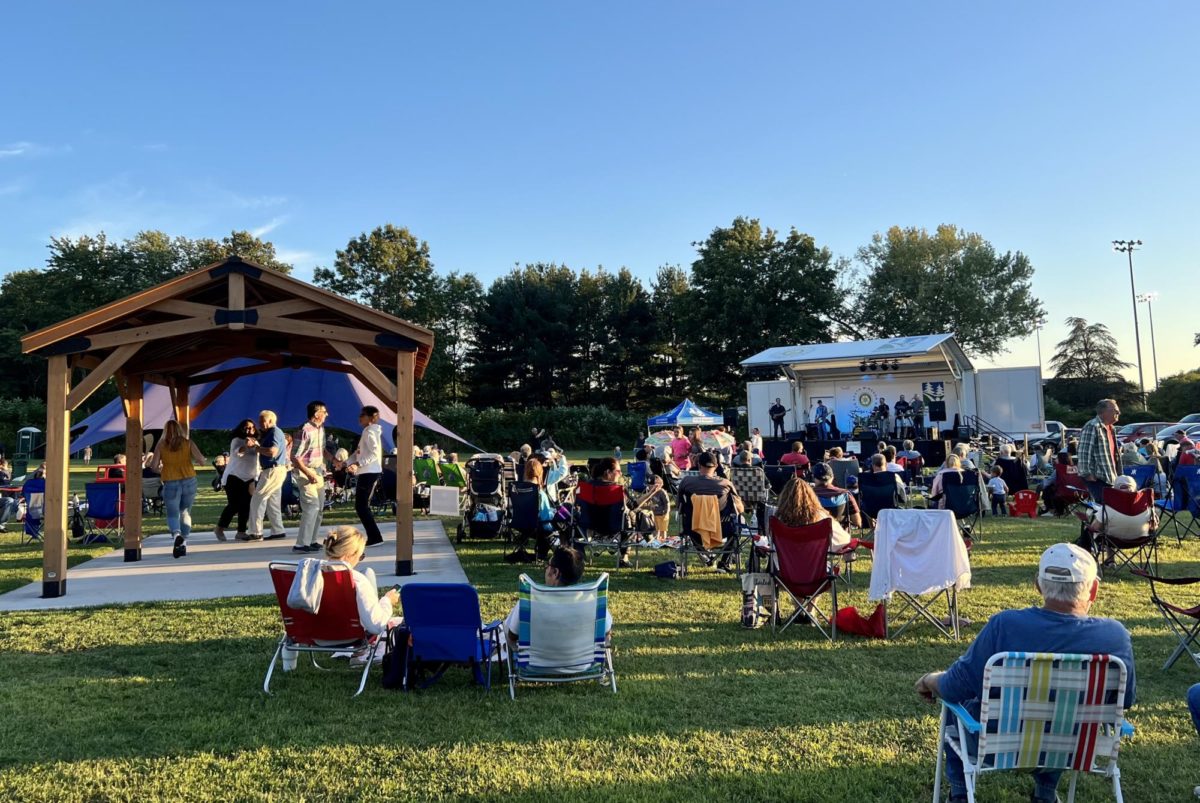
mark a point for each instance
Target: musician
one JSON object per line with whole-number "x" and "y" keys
{"x": 884, "y": 414}
{"x": 903, "y": 421}
{"x": 821, "y": 413}
{"x": 917, "y": 409}
{"x": 777, "y": 411}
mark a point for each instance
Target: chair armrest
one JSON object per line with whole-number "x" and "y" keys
{"x": 1171, "y": 581}
{"x": 491, "y": 626}
{"x": 964, "y": 717}
{"x": 1127, "y": 728}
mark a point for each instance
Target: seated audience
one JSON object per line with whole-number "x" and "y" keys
{"x": 822, "y": 474}
{"x": 1012, "y": 468}
{"x": 937, "y": 489}
{"x": 565, "y": 568}
{"x": 889, "y": 455}
{"x": 607, "y": 471}
{"x": 963, "y": 451}
{"x": 879, "y": 465}
{"x": 1066, "y": 580}
{"x": 345, "y": 544}
{"x": 1130, "y": 456}
{"x": 707, "y": 483}
{"x": 747, "y": 457}
{"x": 843, "y": 466}
{"x": 796, "y": 457}
{"x": 799, "y": 506}
{"x": 909, "y": 452}
{"x": 1114, "y": 523}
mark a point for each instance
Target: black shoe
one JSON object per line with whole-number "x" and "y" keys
{"x": 624, "y": 564}
{"x": 301, "y": 549}
{"x": 377, "y": 542}
{"x": 274, "y": 536}
{"x": 180, "y": 547}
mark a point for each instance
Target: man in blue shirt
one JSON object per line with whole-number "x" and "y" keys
{"x": 273, "y": 459}
{"x": 1067, "y": 581}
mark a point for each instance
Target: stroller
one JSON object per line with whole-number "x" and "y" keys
{"x": 485, "y": 514}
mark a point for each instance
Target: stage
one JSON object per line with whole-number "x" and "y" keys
{"x": 932, "y": 451}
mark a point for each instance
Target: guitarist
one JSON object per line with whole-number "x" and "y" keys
{"x": 777, "y": 411}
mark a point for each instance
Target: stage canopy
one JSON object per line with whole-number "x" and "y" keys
{"x": 286, "y": 391}
{"x": 687, "y": 414}
{"x": 921, "y": 351}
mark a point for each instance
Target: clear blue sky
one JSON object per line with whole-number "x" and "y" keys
{"x": 619, "y": 133}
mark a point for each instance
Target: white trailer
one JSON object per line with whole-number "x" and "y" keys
{"x": 1009, "y": 401}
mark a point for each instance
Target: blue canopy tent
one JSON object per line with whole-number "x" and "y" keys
{"x": 286, "y": 391}
{"x": 687, "y": 414}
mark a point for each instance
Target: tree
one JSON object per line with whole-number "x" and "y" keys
{"x": 626, "y": 346}
{"x": 457, "y": 300}
{"x": 952, "y": 281}
{"x": 389, "y": 270}
{"x": 1178, "y": 395}
{"x": 752, "y": 290}
{"x": 667, "y": 369}
{"x": 1087, "y": 367}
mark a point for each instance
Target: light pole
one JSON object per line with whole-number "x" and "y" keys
{"x": 1148, "y": 299}
{"x": 1127, "y": 247}
{"x": 1039, "y": 324}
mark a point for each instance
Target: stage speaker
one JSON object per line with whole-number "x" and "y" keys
{"x": 731, "y": 419}
{"x": 964, "y": 434}
{"x": 937, "y": 411}
{"x": 810, "y": 432}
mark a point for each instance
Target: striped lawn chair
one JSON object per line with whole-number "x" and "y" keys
{"x": 1040, "y": 711}
{"x": 562, "y": 635}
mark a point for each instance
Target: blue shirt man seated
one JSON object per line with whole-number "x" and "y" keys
{"x": 1067, "y": 581}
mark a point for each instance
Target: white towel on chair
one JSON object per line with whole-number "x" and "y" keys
{"x": 917, "y": 552}
{"x": 307, "y": 586}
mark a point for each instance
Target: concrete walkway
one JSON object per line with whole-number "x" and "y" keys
{"x": 214, "y": 569}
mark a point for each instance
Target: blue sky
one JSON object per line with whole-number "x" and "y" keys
{"x": 620, "y": 133}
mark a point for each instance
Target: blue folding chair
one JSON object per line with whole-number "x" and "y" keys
{"x": 1142, "y": 475}
{"x": 637, "y": 473}
{"x": 104, "y": 514}
{"x": 448, "y": 630}
{"x": 1181, "y": 499}
{"x": 34, "y": 492}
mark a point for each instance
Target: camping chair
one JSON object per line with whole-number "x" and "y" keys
{"x": 448, "y": 630}
{"x": 524, "y": 506}
{"x": 844, "y": 467}
{"x": 426, "y": 471}
{"x": 637, "y": 472}
{"x": 334, "y": 628}
{"x": 1142, "y": 475}
{"x": 778, "y": 476}
{"x": 1023, "y": 503}
{"x": 1127, "y": 530}
{"x": 754, "y": 488}
{"x": 105, "y": 512}
{"x": 1180, "y": 500}
{"x": 733, "y": 539}
{"x": 919, "y": 558}
{"x": 962, "y": 499}
{"x": 152, "y": 500}
{"x": 877, "y": 491}
{"x": 289, "y": 500}
{"x": 914, "y": 469}
{"x": 452, "y": 475}
{"x": 601, "y": 521}
{"x": 1040, "y": 711}
{"x": 802, "y": 570}
{"x": 562, "y": 635}
{"x": 1184, "y": 622}
{"x": 34, "y": 492}
{"x": 1069, "y": 488}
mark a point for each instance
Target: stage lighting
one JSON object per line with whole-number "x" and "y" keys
{"x": 862, "y": 367}
{"x": 895, "y": 365}
{"x": 874, "y": 366}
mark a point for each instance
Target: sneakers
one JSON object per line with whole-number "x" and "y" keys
{"x": 304, "y": 549}
{"x": 219, "y": 532}
{"x": 249, "y": 536}
{"x": 180, "y": 547}
{"x": 274, "y": 536}
{"x": 624, "y": 564}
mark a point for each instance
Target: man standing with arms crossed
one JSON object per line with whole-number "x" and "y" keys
{"x": 272, "y": 455}
{"x": 308, "y": 472}
{"x": 1099, "y": 461}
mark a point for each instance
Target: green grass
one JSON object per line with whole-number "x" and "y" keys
{"x": 163, "y": 701}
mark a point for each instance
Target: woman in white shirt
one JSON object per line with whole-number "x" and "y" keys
{"x": 238, "y": 478}
{"x": 367, "y": 465}
{"x": 345, "y": 544}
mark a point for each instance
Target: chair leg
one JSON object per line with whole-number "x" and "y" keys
{"x": 271, "y": 667}
{"x": 362, "y": 683}
{"x": 941, "y": 745}
{"x": 612, "y": 673}
{"x": 1116, "y": 779}
{"x": 1071, "y": 789}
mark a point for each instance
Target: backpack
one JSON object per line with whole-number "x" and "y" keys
{"x": 758, "y": 599}
{"x": 667, "y": 570}
{"x": 396, "y": 658}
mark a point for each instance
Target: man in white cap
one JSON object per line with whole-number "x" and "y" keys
{"x": 1067, "y": 581}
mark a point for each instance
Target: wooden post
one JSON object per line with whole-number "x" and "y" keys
{"x": 405, "y": 371}
{"x": 181, "y": 403}
{"x": 133, "y": 468}
{"x": 54, "y": 517}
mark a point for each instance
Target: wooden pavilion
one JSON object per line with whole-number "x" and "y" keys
{"x": 180, "y": 328}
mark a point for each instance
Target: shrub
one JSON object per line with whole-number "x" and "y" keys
{"x": 578, "y": 428}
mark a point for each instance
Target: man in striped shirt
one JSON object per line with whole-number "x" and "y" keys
{"x": 1098, "y": 460}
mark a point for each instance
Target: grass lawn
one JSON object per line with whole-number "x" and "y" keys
{"x": 164, "y": 701}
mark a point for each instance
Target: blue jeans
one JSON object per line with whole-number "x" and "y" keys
{"x": 178, "y": 496}
{"x": 1194, "y": 705}
{"x": 1044, "y": 783}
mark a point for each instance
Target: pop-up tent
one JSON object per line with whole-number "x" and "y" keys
{"x": 687, "y": 414}
{"x": 286, "y": 391}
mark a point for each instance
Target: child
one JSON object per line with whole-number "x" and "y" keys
{"x": 659, "y": 502}
{"x": 999, "y": 491}
{"x": 617, "y": 452}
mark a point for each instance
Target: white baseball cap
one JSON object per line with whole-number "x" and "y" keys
{"x": 1067, "y": 563}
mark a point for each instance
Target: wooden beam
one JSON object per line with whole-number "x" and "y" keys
{"x": 237, "y": 296}
{"x": 319, "y": 331}
{"x": 291, "y": 307}
{"x": 134, "y": 411}
{"x": 54, "y": 516}
{"x": 180, "y": 403}
{"x": 188, "y": 309}
{"x": 212, "y": 395}
{"x": 100, "y": 374}
{"x": 143, "y": 334}
{"x": 372, "y": 376}
{"x": 405, "y": 376}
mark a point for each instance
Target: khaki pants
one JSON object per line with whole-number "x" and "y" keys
{"x": 312, "y": 506}
{"x": 266, "y": 500}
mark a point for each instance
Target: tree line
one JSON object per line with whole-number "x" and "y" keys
{"x": 552, "y": 335}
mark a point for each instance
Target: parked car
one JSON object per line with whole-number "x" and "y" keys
{"x": 1190, "y": 418}
{"x": 1135, "y": 432}
{"x": 1167, "y": 434}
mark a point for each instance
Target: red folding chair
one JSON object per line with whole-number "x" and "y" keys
{"x": 802, "y": 570}
{"x": 334, "y": 628}
{"x": 1069, "y": 487}
{"x": 1184, "y": 622}
{"x": 1024, "y": 503}
{"x": 1128, "y": 529}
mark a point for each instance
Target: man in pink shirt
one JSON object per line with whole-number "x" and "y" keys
{"x": 796, "y": 457}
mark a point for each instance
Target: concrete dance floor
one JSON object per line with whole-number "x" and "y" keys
{"x": 214, "y": 569}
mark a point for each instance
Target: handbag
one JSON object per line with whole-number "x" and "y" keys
{"x": 396, "y": 652}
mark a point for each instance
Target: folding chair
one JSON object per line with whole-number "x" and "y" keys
{"x": 152, "y": 501}
{"x": 921, "y": 558}
{"x": 1069, "y": 487}
{"x": 1188, "y": 632}
{"x": 845, "y": 467}
{"x": 962, "y": 499}
{"x": 34, "y": 492}
{"x": 734, "y": 537}
{"x": 562, "y": 635}
{"x": 601, "y": 519}
{"x": 105, "y": 512}
{"x": 1040, "y": 711}
{"x": 777, "y": 476}
{"x": 754, "y": 488}
{"x": 637, "y": 472}
{"x": 1126, "y": 530}
{"x": 289, "y": 499}
{"x": 1024, "y": 503}
{"x": 452, "y": 474}
{"x": 1142, "y": 475}
{"x": 426, "y": 469}
{"x": 334, "y": 628}
{"x": 877, "y": 492}
{"x": 1178, "y": 501}
{"x": 914, "y": 470}
{"x": 801, "y": 569}
{"x": 447, "y": 630}
{"x": 524, "y": 520}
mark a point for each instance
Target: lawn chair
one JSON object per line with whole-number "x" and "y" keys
{"x": 1040, "y": 711}
{"x": 843, "y": 468}
{"x": 637, "y": 472}
{"x": 601, "y": 518}
{"x": 34, "y": 491}
{"x": 777, "y": 476}
{"x": 914, "y": 469}
{"x": 1179, "y": 500}
{"x": 1184, "y": 622}
{"x": 105, "y": 512}
{"x": 524, "y": 520}
{"x": 1023, "y": 503}
{"x": 1127, "y": 530}
{"x": 735, "y": 536}
{"x": 152, "y": 500}
{"x": 1142, "y": 475}
{"x": 754, "y": 488}
{"x": 1069, "y": 488}
{"x": 452, "y": 474}
{"x": 334, "y": 628}
{"x": 877, "y": 492}
{"x": 802, "y": 570}
{"x": 919, "y": 558}
{"x": 426, "y": 471}
{"x": 562, "y": 635}
{"x": 448, "y": 630}
{"x": 962, "y": 499}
